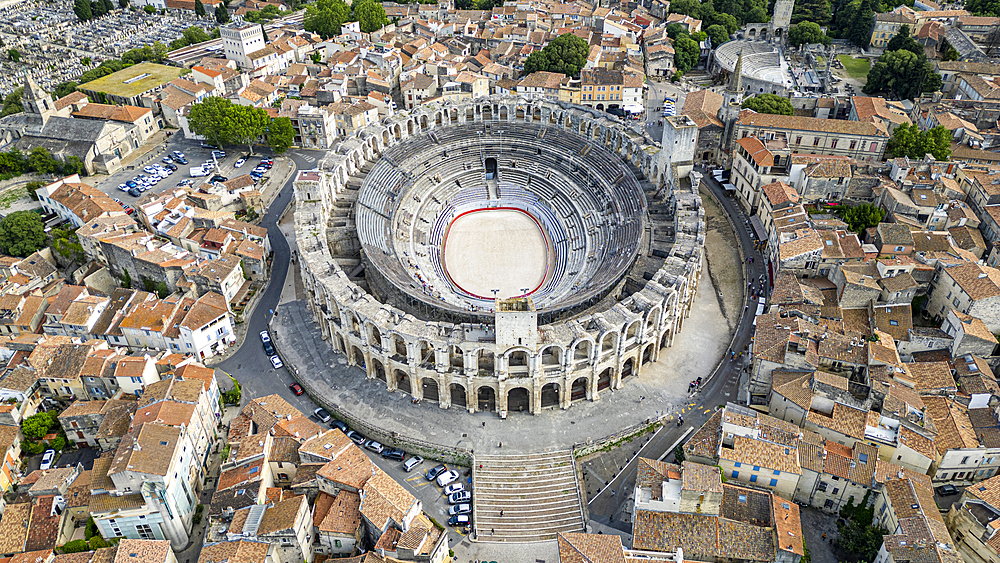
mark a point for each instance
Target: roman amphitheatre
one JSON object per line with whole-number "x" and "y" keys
{"x": 501, "y": 254}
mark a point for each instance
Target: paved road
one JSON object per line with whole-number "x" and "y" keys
{"x": 605, "y": 507}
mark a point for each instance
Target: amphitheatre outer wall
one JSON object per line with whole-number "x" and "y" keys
{"x": 459, "y": 364}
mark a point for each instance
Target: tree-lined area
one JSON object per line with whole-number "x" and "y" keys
{"x": 326, "y": 17}
{"x": 565, "y": 54}
{"x": 903, "y": 70}
{"x": 224, "y": 123}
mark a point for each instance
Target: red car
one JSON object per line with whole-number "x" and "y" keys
{"x": 296, "y": 388}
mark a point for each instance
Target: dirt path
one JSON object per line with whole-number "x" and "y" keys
{"x": 724, "y": 259}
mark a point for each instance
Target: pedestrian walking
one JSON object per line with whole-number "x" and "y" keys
{"x": 484, "y": 424}
{"x": 500, "y": 445}
{"x": 501, "y": 513}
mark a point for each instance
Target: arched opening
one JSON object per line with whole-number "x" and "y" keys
{"x": 457, "y": 393}
{"x": 550, "y": 395}
{"x": 425, "y": 354}
{"x": 665, "y": 341}
{"x": 600, "y": 107}
{"x": 578, "y": 391}
{"x": 487, "y": 399}
{"x": 423, "y": 122}
{"x": 647, "y": 354}
{"x": 409, "y": 127}
{"x": 398, "y": 349}
{"x": 520, "y": 114}
{"x": 430, "y": 389}
{"x": 537, "y": 114}
{"x": 551, "y": 356}
{"x": 518, "y": 400}
{"x": 470, "y": 114}
{"x": 491, "y": 168}
{"x": 752, "y": 33}
{"x": 438, "y": 120}
{"x": 454, "y": 115}
{"x": 608, "y": 344}
{"x": 517, "y": 358}
{"x": 582, "y": 351}
{"x": 628, "y": 368}
{"x": 487, "y": 112}
{"x": 355, "y": 328}
{"x": 385, "y": 138}
{"x": 359, "y": 357}
{"x": 604, "y": 380}
{"x": 379, "y": 370}
{"x": 340, "y": 344}
{"x": 484, "y": 362}
{"x": 504, "y": 113}
{"x": 455, "y": 358}
{"x": 403, "y": 382}
{"x": 633, "y": 331}
{"x": 375, "y": 337}
{"x": 398, "y": 132}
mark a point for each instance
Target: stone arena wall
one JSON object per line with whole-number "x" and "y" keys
{"x": 458, "y": 364}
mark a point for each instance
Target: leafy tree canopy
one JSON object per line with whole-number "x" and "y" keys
{"x": 221, "y": 14}
{"x": 38, "y": 425}
{"x": 12, "y": 102}
{"x": 864, "y": 216}
{"x": 565, "y": 54}
{"x": 75, "y": 546}
{"x": 370, "y": 14}
{"x": 816, "y": 11}
{"x": 983, "y": 7}
{"x": 280, "y": 134}
{"x": 902, "y": 40}
{"x": 686, "y": 53}
{"x": 199, "y": 8}
{"x": 769, "y": 103}
{"x": 325, "y": 17}
{"x": 902, "y": 74}
{"x": 807, "y": 33}
{"x": 909, "y": 140}
{"x": 83, "y": 10}
{"x": 208, "y": 119}
{"x": 717, "y": 33}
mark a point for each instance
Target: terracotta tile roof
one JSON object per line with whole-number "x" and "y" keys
{"x": 282, "y": 516}
{"x": 240, "y": 475}
{"x": 14, "y": 527}
{"x": 979, "y": 282}
{"x": 698, "y": 477}
{"x": 44, "y": 527}
{"x": 932, "y": 377}
{"x": 110, "y": 503}
{"x": 780, "y": 193}
{"x": 702, "y": 107}
{"x": 155, "y": 451}
{"x": 384, "y": 499}
{"x": 745, "y": 541}
{"x": 797, "y": 123}
{"x": 696, "y": 534}
{"x": 846, "y": 420}
{"x": 921, "y": 444}
{"x": 340, "y": 514}
{"x": 705, "y": 441}
{"x": 758, "y": 152}
{"x": 143, "y": 551}
{"x": 974, "y": 326}
{"x": 764, "y": 454}
{"x": 795, "y": 386}
{"x": 242, "y": 551}
{"x": 234, "y": 498}
{"x": 953, "y": 425}
{"x": 590, "y": 548}
{"x": 652, "y": 473}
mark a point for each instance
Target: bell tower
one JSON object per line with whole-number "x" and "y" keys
{"x": 36, "y": 101}
{"x": 732, "y": 101}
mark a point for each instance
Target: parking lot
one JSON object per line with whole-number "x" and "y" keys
{"x": 195, "y": 155}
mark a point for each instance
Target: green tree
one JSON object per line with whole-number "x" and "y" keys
{"x": 727, "y": 21}
{"x": 675, "y": 30}
{"x": 222, "y": 14}
{"x": 280, "y": 134}
{"x": 245, "y": 124}
{"x": 123, "y": 4}
{"x": 97, "y": 542}
{"x": 107, "y": 6}
{"x": 199, "y": 9}
{"x": 21, "y": 233}
{"x": 325, "y": 17}
{"x": 85, "y": 61}
{"x": 32, "y": 448}
{"x": 208, "y": 119}
{"x": 860, "y": 27}
{"x": 902, "y": 74}
{"x": 40, "y": 160}
{"x": 686, "y": 53}
{"x": 817, "y": 11}
{"x": 97, "y": 8}
{"x": 12, "y": 103}
{"x": 717, "y": 34}
{"x": 370, "y": 14}
{"x": 807, "y": 33}
{"x": 908, "y": 140}
{"x": 12, "y": 162}
{"x": 864, "y": 216}
{"x": 769, "y": 103}
{"x": 149, "y": 9}
{"x": 565, "y": 54}
{"x": 36, "y": 426}
{"x": 83, "y": 10}
{"x": 902, "y": 40}
{"x": 316, "y": 57}
{"x": 64, "y": 89}
{"x": 73, "y": 165}
{"x": 983, "y": 7}
{"x": 860, "y": 542}
{"x": 14, "y": 55}
{"x": 75, "y": 546}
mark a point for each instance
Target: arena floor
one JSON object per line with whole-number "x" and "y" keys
{"x": 491, "y": 249}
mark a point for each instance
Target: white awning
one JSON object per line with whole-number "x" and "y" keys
{"x": 634, "y": 108}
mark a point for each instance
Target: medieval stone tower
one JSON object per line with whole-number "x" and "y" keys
{"x": 781, "y": 18}
{"x": 732, "y": 100}
{"x": 36, "y": 101}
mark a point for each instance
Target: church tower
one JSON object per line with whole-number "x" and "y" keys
{"x": 782, "y": 18}
{"x": 36, "y": 101}
{"x": 732, "y": 101}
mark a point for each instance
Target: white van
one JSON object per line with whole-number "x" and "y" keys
{"x": 198, "y": 171}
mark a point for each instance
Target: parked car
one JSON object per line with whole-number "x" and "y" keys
{"x": 296, "y": 388}
{"x": 240, "y": 162}
{"x": 459, "y": 497}
{"x": 463, "y": 508}
{"x": 186, "y": 182}
{"x": 148, "y": 169}
{"x": 47, "y": 458}
{"x": 435, "y": 471}
{"x": 276, "y": 362}
{"x": 264, "y": 336}
{"x": 123, "y": 187}
{"x": 269, "y": 349}
{"x": 453, "y": 488}
{"x": 414, "y": 461}
{"x": 460, "y": 520}
{"x": 322, "y": 415}
{"x": 447, "y": 477}
{"x": 181, "y": 160}
{"x": 167, "y": 160}
{"x": 219, "y": 154}
{"x": 218, "y": 178}
{"x": 172, "y": 167}
{"x": 357, "y": 438}
{"x": 208, "y": 146}
{"x": 131, "y": 183}
{"x": 134, "y": 192}
{"x": 374, "y": 446}
{"x": 339, "y": 425}
{"x": 394, "y": 454}
{"x": 948, "y": 490}
{"x": 178, "y": 154}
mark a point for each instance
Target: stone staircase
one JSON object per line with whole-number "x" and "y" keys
{"x": 538, "y": 494}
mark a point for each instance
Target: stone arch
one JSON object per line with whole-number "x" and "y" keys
{"x": 403, "y": 381}
{"x": 438, "y": 119}
{"x": 430, "y": 389}
{"x": 604, "y": 380}
{"x": 520, "y": 113}
{"x": 454, "y": 115}
{"x": 504, "y": 113}
{"x": 397, "y": 131}
{"x": 367, "y": 149}
{"x": 583, "y": 350}
{"x": 374, "y": 336}
{"x": 385, "y": 138}
{"x": 487, "y": 111}
{"x": 423, "y": 122}
{"x": 665, "y": 339}
{"x": 457, "y": 392}
{"x": 484, "y": 361}
{"x": 647, "y": 354}
{"x": 340, "y": 344}
{"x": 633, "y": 330}
{"x": 578, "y": 391}
{"x": 518, "y": 399}
{"x": 653, "y": 318}
{"x": 397, "y": 348}
{"x": 628, "y": 368}
{"x": 552, "y": 355}
{"x": 456, "y": 357}
{"x": 536, "y": 114}
{"x": 517, "y": 357}
{"x": 378, "y": 369}
{"x": 425, "y": 353}
{"x": 409, "y": 127}
{"x": 608, "y": 342}
{"x": 470, "y": 114}
{"x": 656, "y": 174}
{"x": 550, "y": 395}
{"x": 486, "y": 398}
{"x": 600, "y": 107}
{"x": 358, "y": 356}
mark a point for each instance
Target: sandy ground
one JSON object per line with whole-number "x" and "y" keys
{"x": 496, "y": 249}
{"x": 723, "y": 255}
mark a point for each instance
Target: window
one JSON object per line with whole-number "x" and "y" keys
{"x": 777, "y": 472}
{"x": 742, "y": 499}
{"x": 828, "y": 504}
{"x": 816, "y": 142}
{"x": 965, "y": 460}
{"x": 835, "y": 490}
{"x": 756, "y": 468}
{"x": 899, "y": 249}
{"x": 136, "y": 379}
{"x": 798, "y": 140}
{"x": 853, "y": 144}
{"x": 753, "y": 478}
{"x": 738, "y": 464}
{"x": 736, "y": 474}
{"x": 893, "y": 322}
{"x": 863, "y": 458}
{"x": 774, "y": 482}
{"x": 822, "y": 486}
{"x": 833, "y": 144}
{"x": 874, "y": 147}
{"x": 336, "y": 543}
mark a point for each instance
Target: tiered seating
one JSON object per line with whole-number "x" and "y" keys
{"x": 538, "y": 494}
